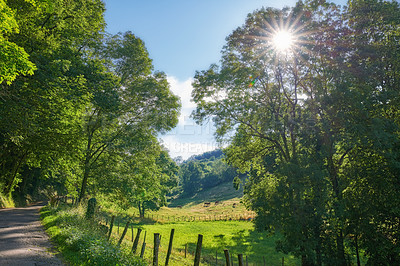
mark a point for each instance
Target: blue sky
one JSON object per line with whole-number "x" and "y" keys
{"x": 183, "y": 36}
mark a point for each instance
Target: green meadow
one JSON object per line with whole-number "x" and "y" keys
{"x": 239, "y": 237}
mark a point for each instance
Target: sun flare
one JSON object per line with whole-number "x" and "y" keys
{"x": 282, "y": 35}
{"x": 282, "y": 41}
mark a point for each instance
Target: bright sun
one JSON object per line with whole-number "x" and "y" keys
{"x": 281, "y": 36}
{"x": 282, "y": 41}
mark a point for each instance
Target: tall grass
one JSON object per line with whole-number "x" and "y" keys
{"x": 6, "y": 202}
{"x": 83, "y": 242}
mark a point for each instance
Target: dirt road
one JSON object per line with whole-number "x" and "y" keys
{"x": 23, "y": 241}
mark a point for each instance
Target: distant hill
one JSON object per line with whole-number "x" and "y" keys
{"x": 222, "y": 192}
{"x": 207, "y": 155}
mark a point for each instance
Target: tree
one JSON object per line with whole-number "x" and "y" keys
{"x": 266, "y": 117}
{"x": 142, "y": 178}
{"x": 41, "y": 114}
{"x": 204, "y": 171}
{"x": 302, "y": 121}
{"x": 373, "y": 171}
{"x": 141, "y": 102}
{"x": 191, "y": 175}
{"x": 92, "y": 97}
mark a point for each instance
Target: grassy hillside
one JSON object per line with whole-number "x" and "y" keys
{"x": 239, "y": 237}
{"x": 224, "y": 203}
{"x": 222, "y": 192}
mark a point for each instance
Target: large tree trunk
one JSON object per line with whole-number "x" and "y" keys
{"x": 84, "y": 183}
{"x": 141, "y": 209}
{"x": 357, "y": 251}
{"x": 334, "y": 178}
{"x": 86, "y": 169}
{"x": 340, "y": 249}
{"x": 13, "y": 174}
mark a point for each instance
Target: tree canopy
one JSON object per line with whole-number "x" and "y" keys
{"x": 315, "y": 125}
{"x": 79, "y": 107}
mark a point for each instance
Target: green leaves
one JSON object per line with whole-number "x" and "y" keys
{"x": 130, "y": 57}
{"x": 130, "y": 106}
{"x": 13, "y": 58}
{"x": 44, "y": 111}
{"x": 304, "y": 129}
{"x": 92, "y": 105}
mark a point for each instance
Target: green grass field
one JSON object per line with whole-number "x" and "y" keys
{"x": 239, "y": 237}
{"x": 189, "y": 217}
{"x": 228, "y": 206}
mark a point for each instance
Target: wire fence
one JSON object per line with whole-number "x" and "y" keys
{"x": 122, "y": 228}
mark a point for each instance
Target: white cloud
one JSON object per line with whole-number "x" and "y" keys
{"x": 188, "y": 138}
{"x": 186, "y": 148}
{"x": 183, "y": 89}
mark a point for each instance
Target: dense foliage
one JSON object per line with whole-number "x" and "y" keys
{"x": 317, "y": 126}
{"x": 80, "y": 109}
{"x": 204, "y": 171}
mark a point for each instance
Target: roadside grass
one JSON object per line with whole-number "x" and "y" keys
{"x": 6, "y": 202}
{"x": 83, "y": 242}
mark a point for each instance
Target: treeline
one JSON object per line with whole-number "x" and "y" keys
{"x": 204, "y": 171}
{"x": 80, "y": 109}
{"x": 314, "y": 118}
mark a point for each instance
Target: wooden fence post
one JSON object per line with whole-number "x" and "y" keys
{"x": 143, "y": 250}
{"x": 156, "y": 246}
{"x": 111, "y": 227}
{"x": 171, "y": 238}
{"x": 227, "y": 258}
{"x": 132, "y": 232}
{"x": 136, "y": 242}
{"x": 198, "y": 250}
{"x": 123, "y": 233}
{"x": 143, "y": 245}
{"x": 264, "y": 260}
{"x": 186, "y": 249}
{"x": 240, "y": 259}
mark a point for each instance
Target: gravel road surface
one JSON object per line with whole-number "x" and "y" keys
{"x": 23, "y": 241}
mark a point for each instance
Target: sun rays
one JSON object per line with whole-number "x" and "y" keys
{"x": 281, "y": 35}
